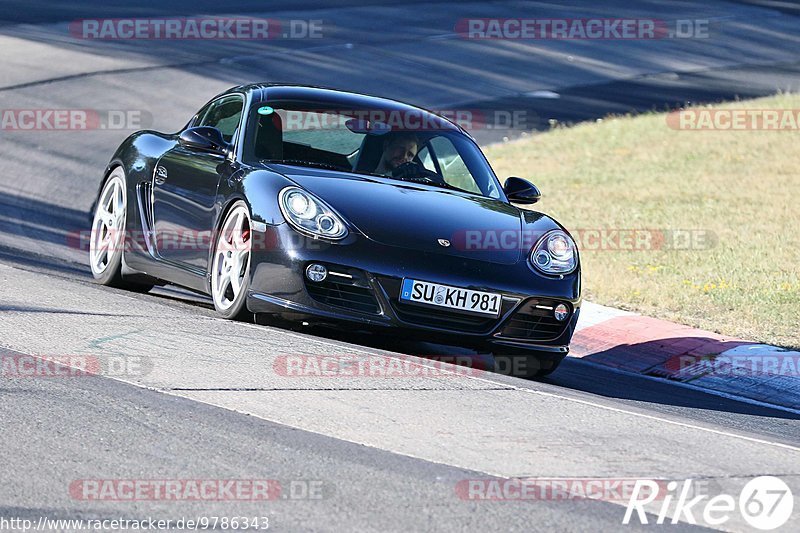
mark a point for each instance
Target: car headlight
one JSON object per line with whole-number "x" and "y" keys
{"x": 555, "y": 253}
{"x": 310, "y": 215}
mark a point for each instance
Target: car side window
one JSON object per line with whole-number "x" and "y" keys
{"x": 201, "y": 114}
{"x": 224, "y": 114}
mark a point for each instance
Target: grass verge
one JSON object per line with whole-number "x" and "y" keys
{"x": 736, "y": 193}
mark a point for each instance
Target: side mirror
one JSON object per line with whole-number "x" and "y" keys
{"x": 204, "y": 138}
{"x": 520, "y": 191}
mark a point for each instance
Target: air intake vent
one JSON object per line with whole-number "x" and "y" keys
{"x": 535, "y": 321}
{"x": 343, "y": 292}
{"x": 145, "y": 201}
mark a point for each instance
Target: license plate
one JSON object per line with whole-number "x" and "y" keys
{"x": 457, "y": 299}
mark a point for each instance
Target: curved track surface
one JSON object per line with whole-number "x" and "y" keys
{"x": 209, "y": 401}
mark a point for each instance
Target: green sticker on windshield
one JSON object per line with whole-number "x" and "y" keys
{"x": 266, "y": 110}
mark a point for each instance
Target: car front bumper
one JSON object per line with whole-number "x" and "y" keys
{"x": 363, "y": 287}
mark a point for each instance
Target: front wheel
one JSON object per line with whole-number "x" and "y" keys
{"x": 230, "y": 264}
{"x": 107, "y": 238}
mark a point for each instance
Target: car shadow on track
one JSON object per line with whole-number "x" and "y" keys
{"x": 42, "y": 221}
{"x": 573, "y": 374}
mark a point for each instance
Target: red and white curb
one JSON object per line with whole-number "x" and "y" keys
{"x": 635, "y": 343}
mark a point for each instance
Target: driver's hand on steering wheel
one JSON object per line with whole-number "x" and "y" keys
{"x": 413, "y": 170}
{"x": 406, "y": 170}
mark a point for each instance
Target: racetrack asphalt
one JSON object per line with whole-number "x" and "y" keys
{"x": 389, "y": 452}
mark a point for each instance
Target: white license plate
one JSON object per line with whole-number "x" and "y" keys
{"x": 423, "y": 292}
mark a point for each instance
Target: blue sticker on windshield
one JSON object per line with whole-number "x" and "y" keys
{"x": 266, "y": 110}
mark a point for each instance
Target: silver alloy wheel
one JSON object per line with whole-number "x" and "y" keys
{"x": 231, "y": 264}
{"x": 108, "y": 226}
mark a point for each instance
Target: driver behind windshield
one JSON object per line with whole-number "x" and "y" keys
{"x": 398, "y": 149}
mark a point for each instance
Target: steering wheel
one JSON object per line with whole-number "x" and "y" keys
{"x": 412, "y": 170}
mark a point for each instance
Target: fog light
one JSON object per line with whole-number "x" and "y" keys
{"x": 561, "y": 312}
{"x": 316, "y": 272}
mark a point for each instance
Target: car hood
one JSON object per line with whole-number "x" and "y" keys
{"x": 414, "y": 216}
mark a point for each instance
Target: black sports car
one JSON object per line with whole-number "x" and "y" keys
{"x": 322, "y": 206}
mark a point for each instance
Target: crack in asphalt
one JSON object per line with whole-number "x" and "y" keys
{"x": 331, "y": 389}
{"x": 41, "y": 310}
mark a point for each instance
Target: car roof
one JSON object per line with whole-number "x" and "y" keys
{"x": 266, "y": 92}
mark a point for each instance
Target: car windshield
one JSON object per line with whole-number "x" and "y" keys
{"x": 410, "y": 145}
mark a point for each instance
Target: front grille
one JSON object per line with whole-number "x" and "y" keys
{"x": 534, "y": 323}
{"x": 441, "y": 318}
{"x": 348, "y": 293}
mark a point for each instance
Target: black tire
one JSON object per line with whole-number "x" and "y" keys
{"x": 107, "y": 237}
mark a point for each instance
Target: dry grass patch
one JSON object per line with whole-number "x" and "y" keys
{"x": 743, "y": 187}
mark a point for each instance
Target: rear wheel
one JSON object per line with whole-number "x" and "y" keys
{"x": 107, "y": 239}
{"x": 230, "y": 264}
